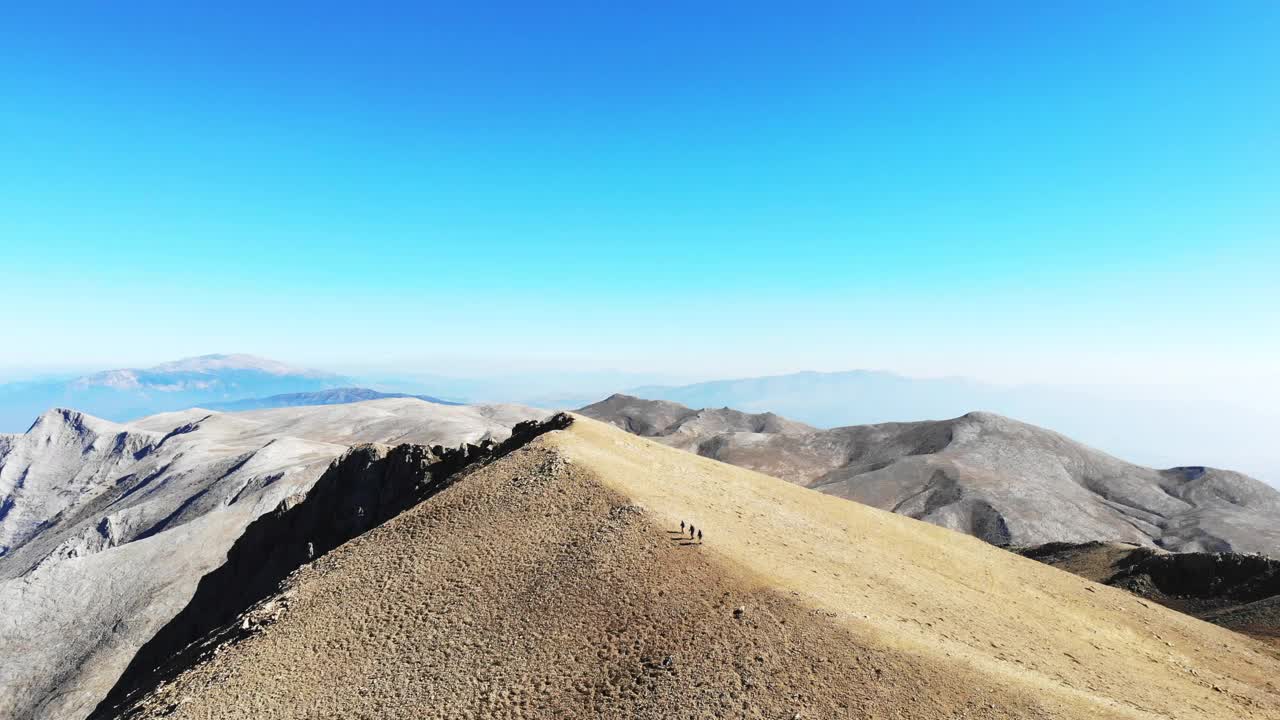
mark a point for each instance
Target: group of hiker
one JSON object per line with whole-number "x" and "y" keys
{"x": 692, "y": 530}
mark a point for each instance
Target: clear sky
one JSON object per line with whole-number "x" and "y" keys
{"x": 1076, "y": 192}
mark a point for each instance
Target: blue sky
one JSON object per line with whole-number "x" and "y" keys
{"x": 1084, "y": 192}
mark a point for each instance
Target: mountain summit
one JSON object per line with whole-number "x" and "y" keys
{"x": 196, "y": 373}
{"x": 234, "y": 361}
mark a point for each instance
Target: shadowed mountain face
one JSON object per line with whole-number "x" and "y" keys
{"x": 831, "y": 399}
{"x": 1240, "y": 592}
{"x": 1004, "y": 481}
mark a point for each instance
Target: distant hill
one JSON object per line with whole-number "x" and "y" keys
{"x": 1004, "y": 481}
{"x": 1155, "y": 426}
{"x": 128, "y": 393}
{"x": 830, "y": 399}
{"x": 336, "y": 396}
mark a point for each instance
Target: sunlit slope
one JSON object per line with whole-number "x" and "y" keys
{"x": 550, "y": 584}
{"x": 945, "y": 595}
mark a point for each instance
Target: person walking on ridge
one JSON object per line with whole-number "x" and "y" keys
{"x": 681, "y": 527}
{"x": 699, "y": 537}
{"x": 690, "y": 532}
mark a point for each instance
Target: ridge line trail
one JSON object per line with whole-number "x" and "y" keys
{"x": 920, "y": 588}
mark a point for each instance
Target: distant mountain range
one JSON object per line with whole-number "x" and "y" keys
{"x": 1007, "y": 482}
{"x": 336, "y": 396}
{"x": 129, "y": 393}
{"x": 1158, "y": 427}
{"x": 1155, "y": 426}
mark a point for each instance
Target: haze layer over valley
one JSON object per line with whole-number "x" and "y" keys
{"x": 1155, "y": 426}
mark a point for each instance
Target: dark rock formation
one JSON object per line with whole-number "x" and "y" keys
{"x": 362, "y": 489}
{"x": 1237, "y": 591}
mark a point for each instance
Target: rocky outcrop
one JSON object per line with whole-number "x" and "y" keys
{"x": 1004, "y": 481}
{"x": 1237, "y": 591}
{"x": 361, "y": 490}
{"x": 111, "y": 527}
{"x": 1201, "y": 581}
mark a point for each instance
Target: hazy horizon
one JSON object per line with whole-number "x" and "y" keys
{"x": 293, "y": 294}
{"x": 1021, "y": 195}
{"x": 1153, "y": 425}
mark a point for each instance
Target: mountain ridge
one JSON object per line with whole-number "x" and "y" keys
{"x": 568, "y": 554}
{"x": 333, "y": 396}
{"x": 1238, "y": 592}
{"x": 107, "y": 544}
{"x": 1005, "y": 481}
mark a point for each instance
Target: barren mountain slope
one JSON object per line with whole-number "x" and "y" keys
{"x": 554, "y": 583}
{"x": 64, "y": 455}
{"x": 109, "y": 527}
{"x": 986, "y": 475}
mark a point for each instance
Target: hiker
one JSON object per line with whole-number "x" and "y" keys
{"x": 699, "y": 537}
{"x": 690, "y": 532}
{"x": 681, "y": 527}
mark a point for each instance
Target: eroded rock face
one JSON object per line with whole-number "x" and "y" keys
{"x": 1004, "y": 481}
{"x": 362, "y": 489}
{"x": 110, "y": 527}
{"x": 556, "y": 583}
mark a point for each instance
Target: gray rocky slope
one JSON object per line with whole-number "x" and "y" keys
{"x": 1004, "y": 481}
{"x": 106, "y": 529}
